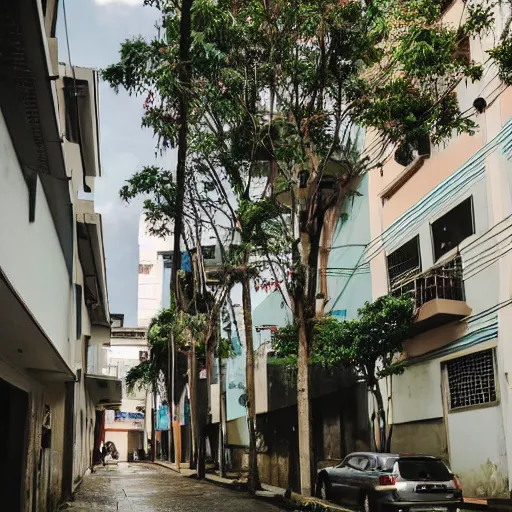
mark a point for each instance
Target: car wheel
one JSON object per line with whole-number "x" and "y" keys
{"x": 324, "y": 488}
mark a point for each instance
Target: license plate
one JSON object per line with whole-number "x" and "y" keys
{"x": 428, "y": 509}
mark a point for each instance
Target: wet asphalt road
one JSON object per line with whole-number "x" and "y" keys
{"x": 147, "y": 488}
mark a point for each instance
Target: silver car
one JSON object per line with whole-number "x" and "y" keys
{"x": 386, "y": 481}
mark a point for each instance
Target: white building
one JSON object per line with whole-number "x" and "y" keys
{"x": 155, "y": 262}
{"x": 52, "y": 273}
{"x": 129, "y": 427}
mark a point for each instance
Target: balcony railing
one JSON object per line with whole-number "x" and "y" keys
{"x": 442, "y": 282}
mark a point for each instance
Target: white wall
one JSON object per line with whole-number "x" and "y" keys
{"x": 417, "y": 393}
{"x": 30, "y": 253}
{"x": 476, "y": 436}
{"x": 150, "y": 287}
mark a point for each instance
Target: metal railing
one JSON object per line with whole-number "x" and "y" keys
{"x": 444, "y": 281}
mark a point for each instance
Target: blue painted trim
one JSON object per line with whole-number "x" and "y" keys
{"x": 443, "y": 194}
{"x": 471, "y": 339}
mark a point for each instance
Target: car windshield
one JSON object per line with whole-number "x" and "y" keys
{"x": 418, "y": 469}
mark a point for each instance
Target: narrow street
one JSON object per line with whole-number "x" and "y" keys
{"x": 148, "y": 488}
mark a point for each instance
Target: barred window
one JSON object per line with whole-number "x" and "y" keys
{"x": 145, "y": 268}
{"x": 472, "y": 380}
{"x": 404, "y": 262}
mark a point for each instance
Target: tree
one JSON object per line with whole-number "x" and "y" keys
{"x": 371, "y": 345}
{"x": 291, "y": 83}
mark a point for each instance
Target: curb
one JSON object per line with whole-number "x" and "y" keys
{"x": 295, "y": 502}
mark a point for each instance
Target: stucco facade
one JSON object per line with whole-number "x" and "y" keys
{"x": 53, "y": 306}
{"x": 450, "y": 221}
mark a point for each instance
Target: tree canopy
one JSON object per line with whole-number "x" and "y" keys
{"x": 370, "y": 344}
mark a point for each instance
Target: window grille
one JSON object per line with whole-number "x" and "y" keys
{"x": 472, "y": 380}
{"x": 404, "y": 262}
{"x": 145, "y": 268}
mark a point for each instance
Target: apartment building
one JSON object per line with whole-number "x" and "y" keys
{"x": 129, "y": 426}
{"x": 52, "y": 273}
{"x": 440, "y": 233}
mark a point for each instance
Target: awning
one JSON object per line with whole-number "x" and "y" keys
{"x": 104, "y": 390}
{"x": 24, "y": 342}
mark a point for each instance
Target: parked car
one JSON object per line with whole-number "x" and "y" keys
{"x": 385, "y": 481}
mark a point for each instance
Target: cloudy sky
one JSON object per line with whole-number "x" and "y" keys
{"x": 96, "y": 28}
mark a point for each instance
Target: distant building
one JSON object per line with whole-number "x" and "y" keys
{"x": 128, "y": 427}
{"x": 155, "y": 262}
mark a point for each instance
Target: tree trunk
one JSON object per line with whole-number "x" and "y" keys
{"x": 194, "y": 427}
{"x": 381, "y": 418}
{"x": 304, "y": 303}
{"x": 222, "y": 421}
{"x": 254, "y": 480}
{"x": 303, "y": 401}
{"x": 171, "y": 380}
{"x": 184, "y": 76}
{"x": 154, "y": 425}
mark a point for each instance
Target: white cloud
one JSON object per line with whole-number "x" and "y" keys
{"x": 123, "y": 2}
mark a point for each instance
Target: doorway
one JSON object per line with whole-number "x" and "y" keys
{"x": 13, "y": 435}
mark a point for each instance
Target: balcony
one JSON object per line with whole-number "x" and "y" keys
{"x": 438, "y": 295}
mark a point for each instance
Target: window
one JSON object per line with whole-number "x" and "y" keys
{"x": 404, "y": 262}
{"x": 463, "y": 51}
{"x": 116, "y": 320}
{"x": 423, "y": 469}
{"x": 145, "y": 268}
{"x": 208, "y": 252}
{"x": 454, "y": 227}
{"x": 74, "y": 92}
{"x": 78, "y": 306}
{"x": 359, "y": 462}
{"x": 167, "y": 260}
{"x": 472, "y": 380}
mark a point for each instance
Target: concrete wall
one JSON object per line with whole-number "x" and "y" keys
{"x": 30, "y": 253}
{"x": 55, "y": 397}
{"x": 425, "y": 437}
{"x": 84, "y": 419}
{"x": 349, "y": 285}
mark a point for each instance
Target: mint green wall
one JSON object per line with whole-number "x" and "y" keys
{"x": 348, "y": 282}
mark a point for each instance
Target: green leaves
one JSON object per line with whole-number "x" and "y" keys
{"x": 369, "y": 344}
{"x": 158, "y": 186}
{"x": 259, "y": 222}
{"x": 502, "y": 54}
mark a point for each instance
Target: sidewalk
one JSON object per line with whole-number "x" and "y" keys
{"x": 277, "y": 493}
{"x": 267, "y": 492}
